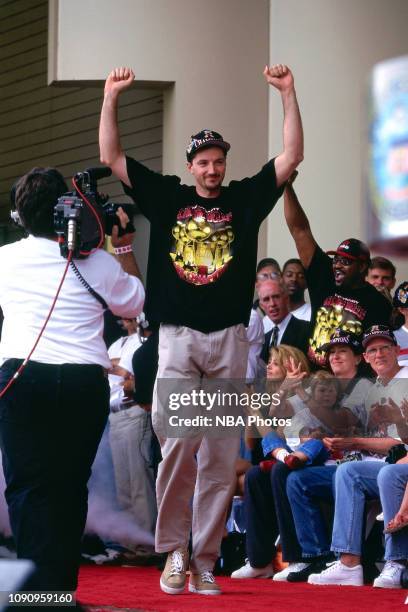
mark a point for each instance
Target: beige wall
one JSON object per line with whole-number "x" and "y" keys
{"x": 57, "y": 126}
{"x": 331, "y": 46}
{"x": 207, "y": 56}
{"x": 212, "y": 51}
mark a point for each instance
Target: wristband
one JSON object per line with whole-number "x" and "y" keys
{"x": 122, "y": 250}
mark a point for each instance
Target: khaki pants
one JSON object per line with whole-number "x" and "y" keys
{"x": 130, "y": 437}
{"x": 197, "y": 474}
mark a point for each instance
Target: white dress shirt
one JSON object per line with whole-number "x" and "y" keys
{"x": 282, "y": 327}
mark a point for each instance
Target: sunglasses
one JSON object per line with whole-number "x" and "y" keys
{"x": 343, "y": 261}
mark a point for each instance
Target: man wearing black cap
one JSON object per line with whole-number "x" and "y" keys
{"x": 201, "y": 273}
{"x": 339, "y": 294}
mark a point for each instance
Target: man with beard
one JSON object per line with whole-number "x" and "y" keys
{"x": 203, "y": 246}
{"x": 339, "y": 294}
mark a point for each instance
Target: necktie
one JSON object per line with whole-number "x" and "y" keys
{"x": 274, "y": 336}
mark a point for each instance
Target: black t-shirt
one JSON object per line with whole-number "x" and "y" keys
{"x": 353, "y": 310}
{"x": 202, "y": 253}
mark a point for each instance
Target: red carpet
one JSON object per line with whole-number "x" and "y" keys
{"x": 138, "y": 588}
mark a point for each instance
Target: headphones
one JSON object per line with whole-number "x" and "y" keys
{"x": 14, "y": 214}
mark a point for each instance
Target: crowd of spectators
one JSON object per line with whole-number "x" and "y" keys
{"x": 314, "y": 485}
{"x": 323, "y": 469}
{"x": 338, "y": 363}
{"x": 341, "y": 460}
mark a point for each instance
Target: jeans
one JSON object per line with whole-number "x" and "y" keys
{"x": 314, "y": 450}
{"x": 51, "y": 422}
{"x": 306, "y": 489}
{"x": 392, "y": 480}
{"x": 355, "y": 483}
{"x": 268, "y": 514}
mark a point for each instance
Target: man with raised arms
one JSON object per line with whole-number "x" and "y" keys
{"x": 201, "y": 273}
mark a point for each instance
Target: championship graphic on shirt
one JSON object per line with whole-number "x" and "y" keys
{"x": 336, "y": 312}
{"x": 202, "y": 244}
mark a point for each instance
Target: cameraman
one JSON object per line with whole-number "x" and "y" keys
{"x": 53, "y": 416}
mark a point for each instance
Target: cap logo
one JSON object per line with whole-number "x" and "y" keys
{"x": 402, "y": 296}
{"x": 379, "y": 331}
{"x": 197, "y": 142}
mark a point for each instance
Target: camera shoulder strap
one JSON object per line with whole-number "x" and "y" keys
{"x": 88, "y": 287}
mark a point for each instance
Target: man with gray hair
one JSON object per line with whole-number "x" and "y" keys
{"x": 287, "y": 329}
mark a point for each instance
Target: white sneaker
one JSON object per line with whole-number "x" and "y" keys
{"x": 338, "y": 573}
{"x": 390, "y": 576}
{"x": 292, "y": 567}
{"x": 247, "y": 571}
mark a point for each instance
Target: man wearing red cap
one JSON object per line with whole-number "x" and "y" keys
{"x": 339, "y": 294}
{"x": 201, "y": 273}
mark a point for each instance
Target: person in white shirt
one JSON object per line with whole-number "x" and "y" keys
{"x": 130, "y": 437}
{"x": 53, "y": 416}
{"x": 358, "y": 481}
{"x": 293, "y": 276}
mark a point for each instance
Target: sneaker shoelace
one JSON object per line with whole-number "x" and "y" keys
{"x": 332, "y": 567}
{"x": 297, "y": 567}
{"x": 391, "y": 570}
{"x": 207, "y": 577}
{"x": 177, "y": 563}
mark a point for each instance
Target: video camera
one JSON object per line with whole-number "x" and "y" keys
{"x": 83, "y": 217}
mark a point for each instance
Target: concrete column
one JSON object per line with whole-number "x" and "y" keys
{"x": 332, "y": 47}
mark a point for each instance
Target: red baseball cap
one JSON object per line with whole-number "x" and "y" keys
{"x": 352, "y": 249}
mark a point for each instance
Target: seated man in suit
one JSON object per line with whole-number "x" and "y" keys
{"x": 286, "y": 329}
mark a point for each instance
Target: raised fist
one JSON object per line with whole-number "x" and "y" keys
{"x": 119, "y": 80}
{"x": 279, "y": 76}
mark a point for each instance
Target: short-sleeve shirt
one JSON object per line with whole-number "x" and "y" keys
{"x": 32, "y": 269}
{"x": 202, "y": 253}
{"x": 353, "y": 310}
{"x": 355, "y": 396}
{"x": 380, "y": 393}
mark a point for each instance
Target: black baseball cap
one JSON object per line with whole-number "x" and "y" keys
{"x": 401, "y": 295}
{"x": 343, "y": 338}
{"x": 204, "y": 139}
{"x": 378, "y": 331}
{"x": 352, "y": 249}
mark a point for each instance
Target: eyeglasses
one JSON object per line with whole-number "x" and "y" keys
{"x": 385, "y": 348}
{"x": 343, "y": 261}
{"x": 267, "y": 275}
